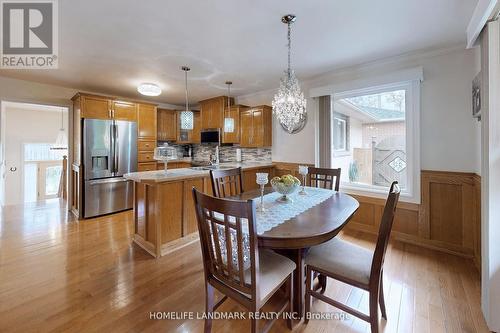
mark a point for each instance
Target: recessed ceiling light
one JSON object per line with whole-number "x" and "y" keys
{"x": 149, "y": 89}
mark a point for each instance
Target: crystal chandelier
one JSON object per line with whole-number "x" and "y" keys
{"x": 289, "y": 104}
{"x": 187, "y": 116}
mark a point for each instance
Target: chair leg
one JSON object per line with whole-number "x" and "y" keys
{"x": 289, "y": 322}
{"x": 374, "y": 311}
{"x": 209, "y": 306}
{"x": 322, "y": 282}
{"x": 255, "y": 325}
{"x": 308, "y": 294}
{"x": 381, "y": 298}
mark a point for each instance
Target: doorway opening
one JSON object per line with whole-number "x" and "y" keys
{"x": 34, "y": 152}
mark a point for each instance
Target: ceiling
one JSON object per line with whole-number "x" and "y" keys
{"x": 111, "y": 46}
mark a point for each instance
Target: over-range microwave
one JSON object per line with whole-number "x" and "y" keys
{"x": 211, "y": 135}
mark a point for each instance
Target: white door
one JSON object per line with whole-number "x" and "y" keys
{"x": 49, "y": 178}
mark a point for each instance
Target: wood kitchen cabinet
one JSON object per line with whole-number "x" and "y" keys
{"x": 233, "y": 112}
{"x": 146, "y": 166}
{"x": 189, "y": 136}
{"x": 146, "y": 137}
{"x": 173, "y": 165}
{"x": 167, "y": 125}
{"x": 122, "y": 110}
{"x": 94, "y": 107}
{"x": 256, "y": 125}
{"x": 212, "y": 111}
{"x": 102, "y": 107}
{"x": 146, "y": 121}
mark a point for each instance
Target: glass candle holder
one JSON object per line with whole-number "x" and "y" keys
{"x": 262, "y": 180}
{"x": 303, "y": 170}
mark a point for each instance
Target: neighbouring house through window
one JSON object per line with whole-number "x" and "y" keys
{"x": 340, "y": 141}
{"x": 371, "y": 140}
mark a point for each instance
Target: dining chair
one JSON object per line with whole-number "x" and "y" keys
{"x": 233, "y": 263}
{"x": 354, "y": 265}
{"x": 226, "y": 183}
{"x": 324, "y": 178}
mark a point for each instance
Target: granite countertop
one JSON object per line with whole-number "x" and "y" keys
{"x": 159, "y": 176}
{"x": 182, "y": 159}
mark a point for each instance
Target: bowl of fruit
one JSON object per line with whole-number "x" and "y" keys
{"x": 285, "y": 185}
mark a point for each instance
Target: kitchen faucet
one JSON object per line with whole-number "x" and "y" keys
{"x": 214, "y": 159}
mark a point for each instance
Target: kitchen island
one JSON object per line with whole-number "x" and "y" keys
{"x": 164, "y": 215}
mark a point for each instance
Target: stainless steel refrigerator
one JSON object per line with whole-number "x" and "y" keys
{"x": 109, "y": 152}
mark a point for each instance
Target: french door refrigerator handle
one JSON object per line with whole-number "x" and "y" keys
{"x": 115, "y": 148}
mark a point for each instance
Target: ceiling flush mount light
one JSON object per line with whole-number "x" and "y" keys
{"x": 187, "y": 116}
{"x": 289, "y": 104}
{"x": 229, "y": 121}
{"x": 149, "y": 89}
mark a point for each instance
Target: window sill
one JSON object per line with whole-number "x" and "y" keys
{"x": 341, "y": 154}
{"x": 376, "y": 192}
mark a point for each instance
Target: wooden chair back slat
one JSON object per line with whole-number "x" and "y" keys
{"x": 324, "y": 178}
{"x": 217, "y": 217}
{"x": 385, "y": 231}
{"x": 226, "y": 183}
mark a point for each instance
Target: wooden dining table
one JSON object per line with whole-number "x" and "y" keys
{"x": 295, "y": 236}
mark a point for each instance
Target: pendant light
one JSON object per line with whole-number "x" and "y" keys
{"x": 289, "y": 104}
{"x": 62, "y": 139}
{"x": 187, "y": 116}
{"x": 229, "y": 121}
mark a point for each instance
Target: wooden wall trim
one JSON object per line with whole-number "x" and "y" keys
{"x": 448, "y": 218}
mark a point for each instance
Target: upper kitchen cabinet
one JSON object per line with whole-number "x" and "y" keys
{"x": 94, "y": 107}
{"x": 231, "y": 128}
{"x": 256, "y": 126}
{"x": 102, "y": 107}
{"x": 189, "y": 136}
{"x": 212, "y": 112}
{"x": 167, "y": 125}
{"x": 146, "y": 119}
{"x": 122, "y": 110}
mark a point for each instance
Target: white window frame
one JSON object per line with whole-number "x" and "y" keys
{"x": 412, "y": 121}
{"x": 341, "y": 152}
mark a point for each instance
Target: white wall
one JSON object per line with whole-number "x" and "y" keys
{"x": 449, "y": 135}
{"x": 490, "y": 179}
{"x": 25, "y": 126}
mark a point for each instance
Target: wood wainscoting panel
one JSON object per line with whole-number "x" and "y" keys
{"x": 448, "y": 218}
{"x": 451, "y": 210}
{"x": 286, "y": 168}
{"x": 445, "y": 213}
{"x": 370, "y": 211}
{"x": 366, "y": 215}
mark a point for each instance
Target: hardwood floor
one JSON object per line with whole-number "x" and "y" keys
{"x": 62, "y": 275}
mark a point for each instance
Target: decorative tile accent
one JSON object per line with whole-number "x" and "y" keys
{"x": 397, "y": 164}
{"x": 201, "y": 153}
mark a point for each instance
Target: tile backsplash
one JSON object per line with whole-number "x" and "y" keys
{"x": 201, "y": 153}
{"x": 228, "y": 153}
